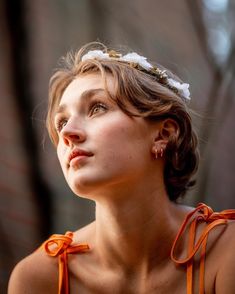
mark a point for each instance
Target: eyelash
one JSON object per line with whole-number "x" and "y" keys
{"x": 61, "y": 122}
{"x": 98, "y": 104}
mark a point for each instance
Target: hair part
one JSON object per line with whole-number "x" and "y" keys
{"x": 149, "y": 99}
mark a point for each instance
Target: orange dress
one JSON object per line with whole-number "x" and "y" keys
{"x": 202, "y": 213}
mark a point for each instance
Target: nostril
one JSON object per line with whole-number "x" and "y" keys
{"x": 72, "y": 134}
{"x": 72, "y": 138}
{"x": 66, "y": 141}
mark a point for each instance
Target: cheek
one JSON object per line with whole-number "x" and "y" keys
{"x": 111, "y": 136}
{"x": 119, "y": 141}
{"x": 61, "y": 154}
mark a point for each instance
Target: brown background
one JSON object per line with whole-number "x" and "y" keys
{"x": 34, "y": 199}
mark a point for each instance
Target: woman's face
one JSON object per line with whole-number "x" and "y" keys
{"x": 99, "y": 145}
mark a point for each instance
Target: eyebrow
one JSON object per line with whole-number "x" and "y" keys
{"x": 88, "y": 94}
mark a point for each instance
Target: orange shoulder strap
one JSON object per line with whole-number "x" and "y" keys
{"x": 59, "y": 245}
{"x": 202, "y": 213}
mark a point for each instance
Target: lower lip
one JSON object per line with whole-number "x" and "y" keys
{"x": 78, "y": 159}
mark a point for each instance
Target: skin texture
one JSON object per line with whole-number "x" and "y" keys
{"x": 135, "y": 225}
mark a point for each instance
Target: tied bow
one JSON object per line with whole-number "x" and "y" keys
{"x": 213, "y": 219}
{"x": 59, "y": 245}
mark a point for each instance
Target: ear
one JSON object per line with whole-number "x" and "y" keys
{"x": 166, "y": 129}
{"x": 169, "y": 128}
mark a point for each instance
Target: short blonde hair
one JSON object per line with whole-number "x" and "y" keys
{"x": 150, "y": 99}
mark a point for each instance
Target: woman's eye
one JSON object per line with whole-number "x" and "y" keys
{"x": 97, "y": 108}
{"x": 60, "y": 123}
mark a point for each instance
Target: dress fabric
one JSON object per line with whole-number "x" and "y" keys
{"x": 60, "y": 245}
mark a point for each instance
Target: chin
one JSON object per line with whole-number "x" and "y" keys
{"x": 83, "y": 192}
{"x": 85, "y": 186}
{"x": 90, "y": 184}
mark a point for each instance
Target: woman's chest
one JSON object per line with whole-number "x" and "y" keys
{"x": 92, "y": 280}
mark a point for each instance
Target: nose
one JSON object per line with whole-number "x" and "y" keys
{"x": 72, "y": 133}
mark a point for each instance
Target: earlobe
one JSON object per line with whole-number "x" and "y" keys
{"x": 159, "y": 153}
{"x": 159, "y": 147}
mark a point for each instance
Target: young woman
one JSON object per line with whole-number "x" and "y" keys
{"x": 123, "y": 134}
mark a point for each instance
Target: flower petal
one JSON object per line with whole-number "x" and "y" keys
{"x": 95, "y": 54}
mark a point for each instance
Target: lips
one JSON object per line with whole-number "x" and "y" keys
{"x": 78, "y": 153}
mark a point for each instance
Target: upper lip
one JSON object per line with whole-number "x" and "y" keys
{"x": 78, "y": 152}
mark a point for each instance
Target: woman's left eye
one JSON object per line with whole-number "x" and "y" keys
{"x": 97, "y": 108}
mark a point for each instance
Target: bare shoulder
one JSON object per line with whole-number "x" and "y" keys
{"x": 225, "y": 261}
{"x": 37, "y": 273}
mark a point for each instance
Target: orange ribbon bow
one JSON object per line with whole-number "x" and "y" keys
{"x": 59, "y": 245}
{"x": 213, "y": 219}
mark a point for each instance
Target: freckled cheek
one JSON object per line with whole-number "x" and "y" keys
{"x": 115, "y": 143}
{"x": 112, "y": 135}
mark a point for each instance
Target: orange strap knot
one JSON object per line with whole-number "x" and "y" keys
{"x": 59, "y": 245}
{"x": 213, "y": 219}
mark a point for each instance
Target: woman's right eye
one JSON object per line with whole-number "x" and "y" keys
{"x": 60, "y": 124}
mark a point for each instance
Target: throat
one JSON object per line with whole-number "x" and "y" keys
{"x": 137, "y": 238}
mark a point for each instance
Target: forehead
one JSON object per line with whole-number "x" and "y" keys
{"x": 85, "y": 83}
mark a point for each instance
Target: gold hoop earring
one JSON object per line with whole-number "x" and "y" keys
{"x": 160, "y": 153}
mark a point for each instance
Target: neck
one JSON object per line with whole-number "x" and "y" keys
{"x": 136, "y": 229}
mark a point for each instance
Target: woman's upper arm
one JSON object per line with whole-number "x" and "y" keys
{"x": 225, "y": 278}
{"x": 20, "y": 280}
{"x": 36, "y": 274}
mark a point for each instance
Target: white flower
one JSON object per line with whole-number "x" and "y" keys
{"x": 182, "y": 88}
{"x": 133, "y": 57}
{"x": 130, "y": 57}
{"x": 95, "y": 54}
{"x": 136, "y": 58}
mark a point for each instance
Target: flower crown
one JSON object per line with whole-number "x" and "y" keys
{"x": 141, "y": 63}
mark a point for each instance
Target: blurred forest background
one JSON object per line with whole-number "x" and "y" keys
{"x": 194, "y": 38}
